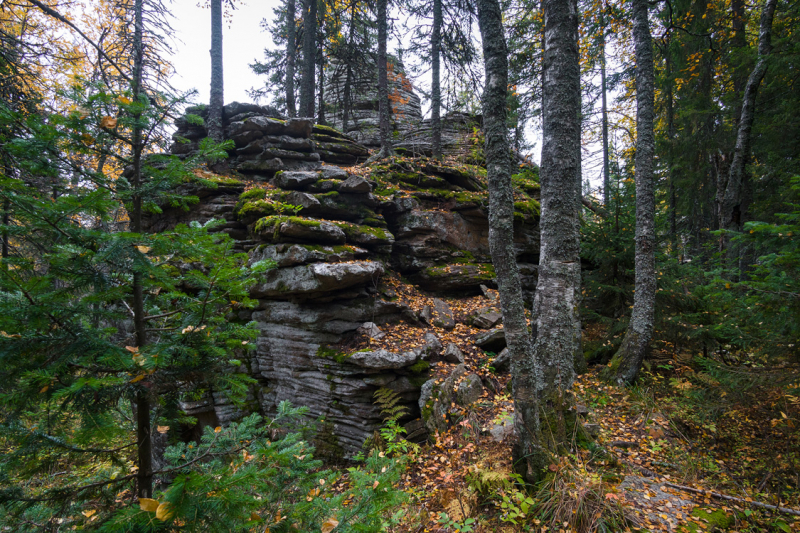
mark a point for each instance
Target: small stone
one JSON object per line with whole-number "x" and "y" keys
{"x": 469, "y": 390}
{"x": 444, "y": 315}
{"x": 502, "y": 363}
{"x": 592, "y": 429}
{"x": 426, "y": 315}
{"x": 503, "y": 430}
{"x": 452, "y": 354}
{"x": 371, "y": 330}
{"x": 487, "y": 292}
{"x": 355, "y": 184}
{"x": 485, "y": 318}
{"x": 493, "y": 340}
{"x": 295, "y": 179}
{"x": 432, "y": 348}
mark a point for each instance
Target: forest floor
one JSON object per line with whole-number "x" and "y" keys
{"x": 672, "y": 454}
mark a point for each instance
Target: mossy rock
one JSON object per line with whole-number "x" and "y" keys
{"x": 252, "y": 211}
{"x": 335, "y": 355}
{"x": 718, "y": 519}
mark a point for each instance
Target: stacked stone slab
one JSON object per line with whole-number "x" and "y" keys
{"x": 332, "y": 235}
{"x": 267, "y": 142}
{"x": 406, "y": 110}
{"x": 458, "y": 136}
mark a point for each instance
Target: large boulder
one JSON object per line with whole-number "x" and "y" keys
{"x": 317, "y": 278}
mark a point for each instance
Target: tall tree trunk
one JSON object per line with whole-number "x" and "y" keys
{"x": 307, "y": 84}
{"x": 671, "y": 213}
{"x": 217, "y": 99}
{"x": 604, "y": 91}
{"x": 627, "y": 361}
{"x": 436, "y": 91}
{"x": 383, "y": 83}
{"x": 501, "y": 234}
{"x": 730, "y": 209}
{"x": 6, "y": 220}
{"x": 143, "y": 433}
{"x": 291, "y": 56}
{"x": 348, "y": 79}
{"x": 321, "y": 78}
{"x": 556, "y": 322}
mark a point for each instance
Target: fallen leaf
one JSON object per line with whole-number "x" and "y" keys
{"x": 165, "y": 511}
{"x": 329, "y": 525}
{"x": 148, "y": 504}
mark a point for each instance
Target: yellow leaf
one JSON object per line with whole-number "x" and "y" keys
{"x": 217, "y": 429}
{"x": 254, "y": 517}
{"x": 124, "y": 100}
{"x": 108, "y": 123}
{"x": 138, "y": 378}
{"x": 148, "y": 504}
{"x": 329, "y": 525}
{"x": 162, "y": 429}
{"x": 132, "y": 349}
{"x": 44, "y": 389}
{"x": 375, "y": 485}
{"x": 89, "y": 513}
{"x": 165, "y": 511}
{"x": 143, "y": 249}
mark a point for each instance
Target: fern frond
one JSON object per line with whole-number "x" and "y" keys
{"x": 389, "y": 402}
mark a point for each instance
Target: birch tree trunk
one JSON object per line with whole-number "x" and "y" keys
{"x": 730, "y": 209}
{"x": 627, "y": 361}
{"x": 291, "y": 57}
{"x": 307, "y": 84}
{"x": 217, "y": 99}
{"x": 436, "y": 92}
{"x": 556, "y": 322}
{"x": 501, "y": 236}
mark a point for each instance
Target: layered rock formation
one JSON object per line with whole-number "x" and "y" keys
{"x": 362, "y": 125}
{"x": 333, "y": 235}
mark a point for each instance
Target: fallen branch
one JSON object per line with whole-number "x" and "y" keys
{"x": 784, "y": 510}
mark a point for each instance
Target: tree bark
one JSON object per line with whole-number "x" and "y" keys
{"x": 671, "y": 213}
{"x": 556, "y": 321}
{"x": 321, "y": 78}
{"x": 217, "y": 100}
{"x": 604, "y": 90}
{"x": 730, "y": 209}
{"x": 307, "y": 83}
{"x": 143, "y": 430}
{"x": 348, "y": 79}
{"x": 436, "y": 92}
{"x": 501, "y": 234}
{"x": 291, "y": 56}
{"x": 627, "y": 361}
{"x": 383, "y": 83}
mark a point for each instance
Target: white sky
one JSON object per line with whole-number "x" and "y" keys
{"x": 242, "y": 43}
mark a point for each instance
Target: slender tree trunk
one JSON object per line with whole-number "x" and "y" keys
{"x": 321, "y": 78}
{"x": 348, "y": 79}
{"x": 671, "y": 214}
{"x": 217, "y": 98}
{"x": 627, "y": 361}
{"x": 730, "y": 210}
{"x": 291, "y": 56}
{"x": 436, "y": 92}
{"x": 309, "y": 58}
{"x": 556, "y": 321}
{"x": 6, "y": 221}
{"x": 383, "y": 83}
{"x": 501, "y": 234}
{"x": 143, "y": 434}
{"x": 604, "y": 91}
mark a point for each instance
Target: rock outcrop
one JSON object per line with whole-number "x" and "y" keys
{"x": 333, "y": 234}
{"x": 362, "y": 125}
